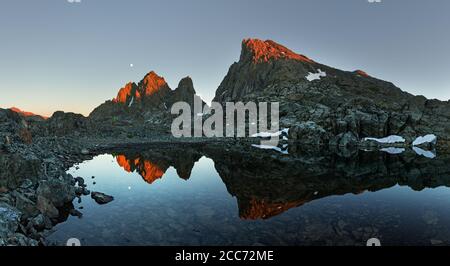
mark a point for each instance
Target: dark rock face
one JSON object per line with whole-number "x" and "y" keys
{"x": 9, "y": 220}
{"x": 53, "y": 194}
{"x": 61, "y": 124}
{"x": 17, "y": 168}
{"x": 309, "y": 132}
{"x": 185, "y": 92}
{"x": 13, "y": 129}
{"x": 337, "y": 101}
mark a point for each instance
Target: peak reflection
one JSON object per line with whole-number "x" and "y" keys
{"x": 152, "y": 165}
{"x": 266, "y": 184}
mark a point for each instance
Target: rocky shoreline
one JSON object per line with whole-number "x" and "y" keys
{"x": 35, "y": 191}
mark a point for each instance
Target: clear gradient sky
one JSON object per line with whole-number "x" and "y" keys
{"x": 56, "y": 55}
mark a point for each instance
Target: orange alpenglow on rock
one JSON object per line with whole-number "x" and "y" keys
{"x": 148, "y": 170}
{"x": 151, "y": 172}
{"x": 264, "y": 51}
{"x": 123, "y": 162}
{"x": 260, "y": 209}
{"x": 362, "y": 73}
{"x": 24, "y": 113}
{"x": 151, "y": 84}
{"x": 124, "y": 93}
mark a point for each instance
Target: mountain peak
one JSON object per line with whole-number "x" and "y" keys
{"x": 125, "y": 92}
{"x": 186, "y": 84}
{"x": 149, "y": 85}
{"x": 265, "y": 51}
{"x": 152, "y": 83}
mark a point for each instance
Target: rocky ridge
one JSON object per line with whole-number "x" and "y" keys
{"x": 336, "y": 107}
{"x": 141, "y": 108}
{"x": 320, "y": 105}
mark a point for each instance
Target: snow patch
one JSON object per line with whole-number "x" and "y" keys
{"x": 275, "y": 148}
{"x": 284, "y": 131}
{"x": 393, "y": 150}
{"x": 430, "y": 138}
{"x": 131, "y": 102}
{"x": 422, "y": 152}
{"x": 387, "y": 140}
{"x": 315, "y": 76}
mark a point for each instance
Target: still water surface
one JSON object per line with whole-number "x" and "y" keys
{"x": 163, "y": 199}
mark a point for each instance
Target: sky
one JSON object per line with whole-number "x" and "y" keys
{"x": 63, "y": 55}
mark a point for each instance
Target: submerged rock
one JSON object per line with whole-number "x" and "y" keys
{"x": 76, "y": 213}
{"x": 101, "y": 198}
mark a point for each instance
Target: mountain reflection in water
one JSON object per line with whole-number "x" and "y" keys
{"x": 266, "y": 184}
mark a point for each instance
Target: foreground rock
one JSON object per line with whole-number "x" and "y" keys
{"x": 9, "y": 220}
{"x": 35, "y": 191}
{"x": 54, "y": 194}
{"x": 14, "y": 128}
{"x": 101, "y": 198}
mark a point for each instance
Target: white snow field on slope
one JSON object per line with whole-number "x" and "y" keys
{"x": 315, "y": 76}
{"x": 387, "y": 140}
{"x": 430, "y": 138}
{"x": 269, "y": 134}
{"x": 275, "y": 148}
{"x": 131, "y": 102}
